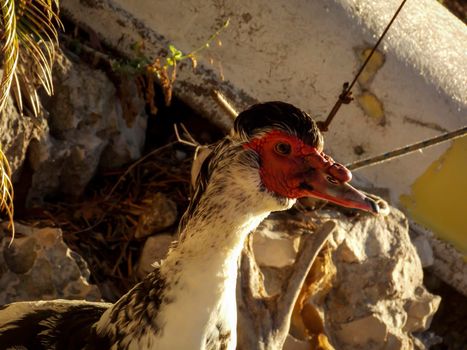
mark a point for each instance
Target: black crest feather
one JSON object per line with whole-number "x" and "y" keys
{"x": 278, "y": 115}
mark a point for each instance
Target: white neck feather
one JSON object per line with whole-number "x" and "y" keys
{"x": 204, "y": 263}
{"x": 200, "y": 273}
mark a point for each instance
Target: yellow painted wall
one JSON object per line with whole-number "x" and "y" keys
{"x": 439, "y": 197}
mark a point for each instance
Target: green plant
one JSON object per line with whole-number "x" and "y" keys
{"x": 165, "y": 69}
{"x": 162, "y": 68}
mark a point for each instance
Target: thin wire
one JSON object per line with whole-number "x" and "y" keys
{"x": 407, "y": 149}
{"x": 345, "y": 96}
{"x": 376, "y": 46}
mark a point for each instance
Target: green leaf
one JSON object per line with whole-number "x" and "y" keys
{"x": 175, "y": 53}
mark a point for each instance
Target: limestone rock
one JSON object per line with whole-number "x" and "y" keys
{"x": 91, "y": 123}
{"x": 364, "y": 330}
{"x": 155, "y": 249}
{"x": 160, "y": 212}
{"x": 274, "y": 248}
{"x": 294, "y": 344}
{"x": 447, "y": 263}
{"x": 377, "y": 299}
{"x": 16, "y": 133}
{"x": 39, "y": 266}
{"x": 420, "y": 310}
{"x": 380, "y": 293}
{"x": 424, "y": 250}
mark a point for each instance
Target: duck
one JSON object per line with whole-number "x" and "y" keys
{"x": 273, "y": 156}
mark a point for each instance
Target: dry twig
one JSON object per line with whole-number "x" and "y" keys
{"x": 264, "y": 320}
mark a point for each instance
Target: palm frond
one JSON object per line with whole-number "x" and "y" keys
{"x": 6, "y": 191}
{"x": 30, "y": 36}
{"x": 10, "y": 50}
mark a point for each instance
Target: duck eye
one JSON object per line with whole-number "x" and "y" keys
{"x": 283, "y": 148}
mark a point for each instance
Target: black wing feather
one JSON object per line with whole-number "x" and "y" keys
{"x": 55, "y": 328}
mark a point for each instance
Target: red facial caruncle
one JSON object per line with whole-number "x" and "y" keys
{"x": 293, "y": 169}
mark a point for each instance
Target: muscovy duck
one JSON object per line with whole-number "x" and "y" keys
{"x": 273, "y": 157}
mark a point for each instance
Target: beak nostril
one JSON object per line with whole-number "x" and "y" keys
{"x": 332, "y": 180}
{"x": 340, "y": 172}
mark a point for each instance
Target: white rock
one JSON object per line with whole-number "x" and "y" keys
{"x": 377, "y": 299}
{"x": 294, "y": 344}
{"x": 274, "y": 249}
{"x": 40, "y": 266}
{"x": 420, "y": 311}
{"x": 381, "y": 292}
{"x": 88, "y": 125}
{"x": 363, "y": 330}
{"x": 160, "y": 213}
{"x": 424, "y": 250}
{"x": 155, "y": 249}
{"x": 448, "y": 263}
{"x": 16, "y": 133}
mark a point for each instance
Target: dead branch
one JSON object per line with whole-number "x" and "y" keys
{"x": 224, "y": 103}
{"x": 264, "y": 321}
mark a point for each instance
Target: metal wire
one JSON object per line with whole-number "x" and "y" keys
{"x": 407, "y": 149}
{"x": 346, "y": 95}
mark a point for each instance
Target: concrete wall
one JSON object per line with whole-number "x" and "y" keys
{"x": 301, "y": 51}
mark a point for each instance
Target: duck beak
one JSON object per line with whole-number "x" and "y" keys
{"x": 328, "y": 180}
{"x": 324, "y": 186}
